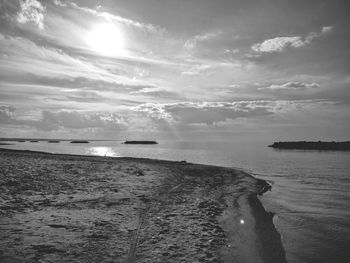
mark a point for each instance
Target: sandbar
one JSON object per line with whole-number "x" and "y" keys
{"x": 70, "y": 208}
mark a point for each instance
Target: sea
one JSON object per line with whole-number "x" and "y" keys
{"x": 310, "y": 195}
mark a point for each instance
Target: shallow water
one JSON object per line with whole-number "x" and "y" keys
{"x": 310, "y": 194}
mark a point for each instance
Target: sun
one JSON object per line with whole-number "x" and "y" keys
{"x": 106, "y": 39}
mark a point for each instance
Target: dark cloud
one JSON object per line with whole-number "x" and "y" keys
{"x": 8, "y": 9}
{"x": 78, "y": 120}
{"x": 65, "y": 119}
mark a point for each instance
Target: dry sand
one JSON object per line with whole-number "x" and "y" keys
{"x": 64, "y": 208}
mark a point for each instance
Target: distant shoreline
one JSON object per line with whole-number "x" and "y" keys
{"x": 45, "y": 140}
{"x": 140, "y": 142}
{"x": 312, "y": 145}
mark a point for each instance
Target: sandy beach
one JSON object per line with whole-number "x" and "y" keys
{"x": 66, "y": 208}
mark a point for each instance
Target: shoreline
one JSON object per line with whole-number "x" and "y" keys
{"x": 62, "y": 207}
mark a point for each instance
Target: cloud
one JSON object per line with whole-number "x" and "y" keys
{"x": 326, "y": 29}
{"x": 6, "y": 114}
{"x": 156, "y": 92}
{"x": 234, "y": 86}
{"x": 95, "y": 83}
{"x": 27, "y": 57}
{"x": 50, "y": 121}
{"x": 186, "y": 114}
{"x": 59, "y": 3}
{"x": 192, "y": 43}
{"x": 205, "y": 112}
{"x": 77, "y": 120}
{"x": 292, "y": 86}
{"x": 155, "y": 117}
{"x": 197, "y": 70}
{"x": 129, "y": 22}
{"x": 278, "y": 44}
{"x": 231, "y": 51}
{"x": 31, "y": 11}
{"x": 84, "y": 96}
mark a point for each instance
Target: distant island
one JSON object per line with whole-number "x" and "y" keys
{"x": 5, "y": 143}
{"x": 79, "y": 141}
{"x": 53, "y": 141}
{"x": 140, "y": 142}
{"x": 318, "y": 145}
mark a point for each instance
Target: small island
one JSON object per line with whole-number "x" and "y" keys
{"x": 79, "y": 141}
{"x": 5, "y": 143}
{"x": 140, "y": 142}
{"x": 313, "y": 145}
{"x": 53, "y": 141}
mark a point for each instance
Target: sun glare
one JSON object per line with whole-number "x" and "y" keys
{"x": 106, "y": 39}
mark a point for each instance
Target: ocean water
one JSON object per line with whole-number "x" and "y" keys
{"x": 310, "y": 195}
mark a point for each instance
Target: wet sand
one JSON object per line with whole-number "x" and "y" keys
{"x": 66, "y": 208}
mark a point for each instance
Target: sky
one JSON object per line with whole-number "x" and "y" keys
{"x": 175, "y": 69}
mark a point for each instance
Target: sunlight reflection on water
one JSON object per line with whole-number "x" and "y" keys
{"x": 102, "y": 151}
